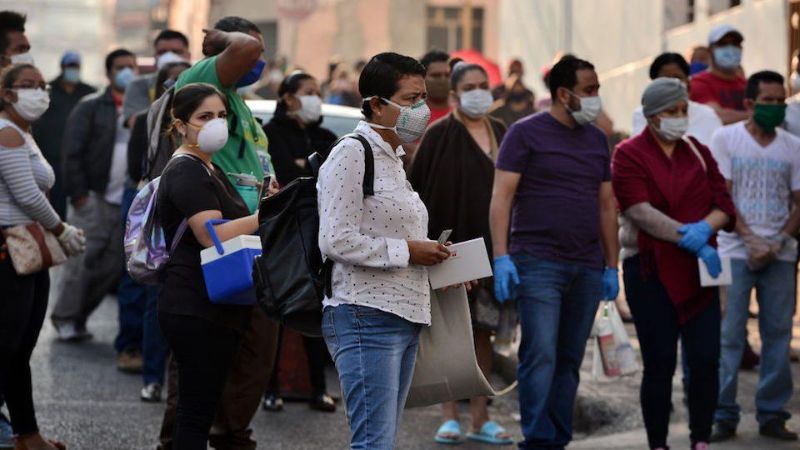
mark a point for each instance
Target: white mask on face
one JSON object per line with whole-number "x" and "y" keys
{"x": 22, "y": 58}
{"x": 310, "y": 109}
{"x": 673, "y": 128}
{"x": 411, "y": 123}
{"x": 476, "y": 103}
{"x": 168, "y": 57}
{"x": 31, "y": 103}
{"x": 212, "y": 136}
{"x": 590, "y": 109}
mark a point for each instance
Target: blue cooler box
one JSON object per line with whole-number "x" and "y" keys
{"x": 228, "y": 269}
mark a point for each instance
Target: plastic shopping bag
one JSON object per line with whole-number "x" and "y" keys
{"x": 612, "y": 347}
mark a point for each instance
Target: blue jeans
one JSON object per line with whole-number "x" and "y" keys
{"x": 154, "y": 346}
{"x": 557, "y": 303}
{"x": 374, "y": 353}
{"x": 131, "y": 298}
{"x": 775, "y": 292}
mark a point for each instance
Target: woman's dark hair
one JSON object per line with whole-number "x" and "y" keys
{"x": 187, "y": 99}
{"x": 163, "y": 73}
{"x": 462, "y": 69}
{"x": 118, "y": 53}
{"x": 666, "y": 59}
{"x": 382, "y": 74}
{"x": 565, "y": 73}
{"x": 10, "y": 74}
{"x": 290, "y": 85}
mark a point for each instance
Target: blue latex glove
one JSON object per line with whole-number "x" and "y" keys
{"x": 710, "y": 257}
{"x": 695, "y": 235}
{"x": 505, "y": 277}
{"x": 610, "y": 284}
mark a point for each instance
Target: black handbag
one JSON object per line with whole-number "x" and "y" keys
{"x": 290, "y": 277}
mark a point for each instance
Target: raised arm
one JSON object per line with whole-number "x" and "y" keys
{"x": 240, "y": 53}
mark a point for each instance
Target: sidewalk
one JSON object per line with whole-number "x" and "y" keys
{"x": 747, "y": 439}
{"x": 608, "y": 414}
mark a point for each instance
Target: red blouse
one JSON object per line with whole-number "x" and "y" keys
{"x": 680, "y": 188}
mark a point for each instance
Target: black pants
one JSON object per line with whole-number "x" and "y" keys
{"x": 204, "y": 352}
{"x": 317, "y": 356}
{"x": 658, "y": 331}
{"x": 23, "y": 305}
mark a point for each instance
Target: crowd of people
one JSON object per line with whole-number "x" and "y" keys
{"x": 711, "y": 175}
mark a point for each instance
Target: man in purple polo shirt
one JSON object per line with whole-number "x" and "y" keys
{"x": 553, "y": 169}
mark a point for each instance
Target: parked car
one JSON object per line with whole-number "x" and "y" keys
{"x": 339, "y": 119}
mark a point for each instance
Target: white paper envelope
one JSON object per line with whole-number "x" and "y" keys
{"x": 725, "y": 277}
{"x": 468, "y": 261}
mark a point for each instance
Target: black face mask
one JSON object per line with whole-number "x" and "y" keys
{"x": 517, "y": 97}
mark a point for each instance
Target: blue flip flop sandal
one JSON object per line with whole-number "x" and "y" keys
{"x": 449, "y": 427}
{"x": 488, "y": 434}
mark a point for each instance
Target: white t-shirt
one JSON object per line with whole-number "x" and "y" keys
{"x": 763, "y": 179}
{"x": 703, "y": 122}
{"x": 118, "y": 172}
{"x": 792, "y": 123}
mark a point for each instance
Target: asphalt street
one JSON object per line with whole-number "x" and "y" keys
{"x": 83, "y": 400}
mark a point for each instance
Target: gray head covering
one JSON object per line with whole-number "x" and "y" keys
{"x": 662, "y": 94}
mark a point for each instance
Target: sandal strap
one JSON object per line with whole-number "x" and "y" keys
{"x": 451, "y": 427}
{"x": 492, "y": 428}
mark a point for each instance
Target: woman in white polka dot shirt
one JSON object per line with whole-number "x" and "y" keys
{"x": 380, "y": 297}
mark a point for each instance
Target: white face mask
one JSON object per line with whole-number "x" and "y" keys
{"x": 168, "y": 57}
{"x": 476, "y": 103}
{"x": 673, "y": 128}
{"x": 411, "y": 123}
{"x": 22, "y": 58}
{"x": 31, "y": 103}
{"x": 212, "y": 136}
{"x": 590, "y": 109}
{"x": 310, "y": 109}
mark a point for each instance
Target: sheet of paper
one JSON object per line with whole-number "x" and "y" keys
{"x": 469, "y": 261}
{"x": 725, "y": 277}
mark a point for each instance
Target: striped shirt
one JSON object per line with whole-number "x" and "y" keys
{"x": 25, "y": 176}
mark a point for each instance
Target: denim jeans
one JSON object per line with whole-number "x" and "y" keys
{"x": 775, "y": 292}
{"x": 154, "y": 346}
{"x": 374, "y": 352}
{"x": 658, "y": 331}
{"x": 557, "y": 303}
{"x": 131, "y": 299}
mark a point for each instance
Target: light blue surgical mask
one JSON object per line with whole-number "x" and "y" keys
{"x": 123, "y": 78}
{"x": 728, "y": 57}
{"x": 72, "y": 75}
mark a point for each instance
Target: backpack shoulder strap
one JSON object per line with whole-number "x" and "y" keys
{"x": 368, "y": 189}
{"x": 369, "y": 164}
{"x": 316, "y": 160}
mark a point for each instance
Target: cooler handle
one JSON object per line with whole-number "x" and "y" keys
{"x": 213, "y": 233}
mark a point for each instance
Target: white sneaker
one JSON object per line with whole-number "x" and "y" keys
{"x": 69, "y": 332}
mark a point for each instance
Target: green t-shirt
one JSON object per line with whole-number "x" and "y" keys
{"x": 245, "y": 153}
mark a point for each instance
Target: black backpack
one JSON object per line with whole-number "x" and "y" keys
{"x": 290, "y": 277}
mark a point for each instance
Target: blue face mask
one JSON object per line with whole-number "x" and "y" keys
{"x": 697, "y": 67}
{"x": 252, "y": 76}
{"x": 123, "y": 78}
{"x": 72, "y": 75}
{"x": 728, "y": 57}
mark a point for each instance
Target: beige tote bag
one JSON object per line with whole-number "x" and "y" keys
{"x": 446, "y": 367}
